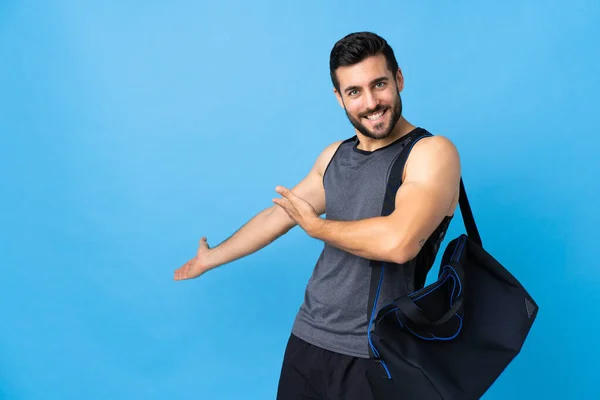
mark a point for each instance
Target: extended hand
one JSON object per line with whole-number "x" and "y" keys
{"x": 298, "y": 209}
{"x": 196, "y": 266}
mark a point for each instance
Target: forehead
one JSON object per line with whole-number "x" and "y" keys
{"x": 364, "y": 72}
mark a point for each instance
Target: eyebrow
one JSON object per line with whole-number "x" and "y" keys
{"x": 373, "y": 82}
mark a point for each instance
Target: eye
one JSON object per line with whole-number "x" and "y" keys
{"x": 380, "y": 85}
{"x": 353, "y": 92}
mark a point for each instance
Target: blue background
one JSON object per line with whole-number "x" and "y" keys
{"x": 131, "y": 129}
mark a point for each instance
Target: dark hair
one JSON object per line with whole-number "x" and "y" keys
{"x": 354, "y": 48}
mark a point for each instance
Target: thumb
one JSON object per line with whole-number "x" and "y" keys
{"x": 203, "y": 242}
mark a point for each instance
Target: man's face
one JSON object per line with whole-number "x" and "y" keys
{"x": 369, "y": 93}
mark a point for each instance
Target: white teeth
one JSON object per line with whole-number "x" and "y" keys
{"x": 375, "y": 116}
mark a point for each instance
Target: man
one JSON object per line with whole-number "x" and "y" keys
{"x": 328, "y": 351}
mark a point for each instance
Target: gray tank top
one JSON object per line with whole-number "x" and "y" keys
{"x": 334, "y": 313}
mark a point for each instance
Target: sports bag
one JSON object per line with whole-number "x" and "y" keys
{"x": 453, "y": 338}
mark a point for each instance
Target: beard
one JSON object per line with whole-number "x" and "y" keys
{"x": 380, "y": 131}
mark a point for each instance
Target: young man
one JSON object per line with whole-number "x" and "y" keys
{"x": 328, "y": 352}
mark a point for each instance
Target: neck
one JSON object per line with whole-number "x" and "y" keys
{"x": 403, "y": 127}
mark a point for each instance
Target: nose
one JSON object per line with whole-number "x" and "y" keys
{"x": 371, "y": 102}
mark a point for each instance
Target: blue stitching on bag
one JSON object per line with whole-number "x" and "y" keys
{"x": 387, "y": 371}
{"x": 460, "y": 244}
{"x": 422, "y": 290}
{"x": 440, "y": 338}
{"x": 453, "y": 290}
{"x": 433, "y": 289}
{"x": 397, "y": 317}
{"x": 455, "y": 256}
{"x": 375, "y": 352}
{"x": 458, "y": 280}
{"x": 454, "y": 276}
{"x": 433, "y": 336}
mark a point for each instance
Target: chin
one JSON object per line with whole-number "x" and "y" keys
{"x": 383, "y": 132}
{"x": 379, "y": 134}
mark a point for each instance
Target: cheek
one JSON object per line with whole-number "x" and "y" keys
{"x": 354, "y": 109}
{"x": 391, "y": 98}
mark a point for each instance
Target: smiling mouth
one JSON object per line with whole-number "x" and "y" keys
{"x": 375, "y": 117}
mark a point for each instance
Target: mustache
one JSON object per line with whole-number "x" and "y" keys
{"x": 376, "y": 109}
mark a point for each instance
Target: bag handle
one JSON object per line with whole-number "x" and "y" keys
{"x": 410, "y": 310}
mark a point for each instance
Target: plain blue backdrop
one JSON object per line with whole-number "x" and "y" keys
{"x": 131, "y": 129}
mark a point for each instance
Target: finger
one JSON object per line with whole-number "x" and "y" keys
{"x": 187, "y": 266}
{"x": 286, "y": 205}
{"x": 285, "y": 192}
{"x": 177, "y": 274}
{"x": 181, "y": 273}
{"x": 184, "y": 266}
{"x": 281, "y": 203}
{"x": 186, "y": 263}
{"x": 285, "y": 202}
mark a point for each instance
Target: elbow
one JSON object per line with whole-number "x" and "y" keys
{"x": 401, "y": 253}
{"x": 399, "y": 257}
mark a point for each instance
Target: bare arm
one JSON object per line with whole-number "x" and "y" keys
{"x": 264, "y": 228}
{"x": 273, "y": 222}
{"x": 427, "y": 194}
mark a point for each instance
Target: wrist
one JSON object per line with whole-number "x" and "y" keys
{"x": 210, "y": 260}
{"x": 314, "y": 228}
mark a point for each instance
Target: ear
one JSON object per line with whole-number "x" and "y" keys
{"x": 399, "y": 80}
{"x": 339, "y": 97}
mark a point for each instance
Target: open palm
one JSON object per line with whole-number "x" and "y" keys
{"x": 196, "y": 266}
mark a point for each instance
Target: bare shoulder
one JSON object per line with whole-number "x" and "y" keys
{"x": 435, "y": 145}
{"x": 433, "y": 155}
{"x": 325, "y": 157}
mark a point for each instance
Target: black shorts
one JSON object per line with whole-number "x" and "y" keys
{"x": 310, "y": 372}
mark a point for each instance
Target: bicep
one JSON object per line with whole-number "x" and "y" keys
{"x": 311, "y": 187}
{"x": 428, "y": 193}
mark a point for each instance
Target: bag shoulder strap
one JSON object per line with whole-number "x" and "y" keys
{"x": 467, "y": 215}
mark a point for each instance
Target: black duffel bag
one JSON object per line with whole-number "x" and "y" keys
{"x": 453, "y": 338}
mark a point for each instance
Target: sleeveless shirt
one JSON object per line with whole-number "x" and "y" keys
{"x": 334, "y": 313}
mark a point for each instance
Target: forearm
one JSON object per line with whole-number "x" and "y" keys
{"x": 371, "y": 238}
{"x": 264, "y": 228}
